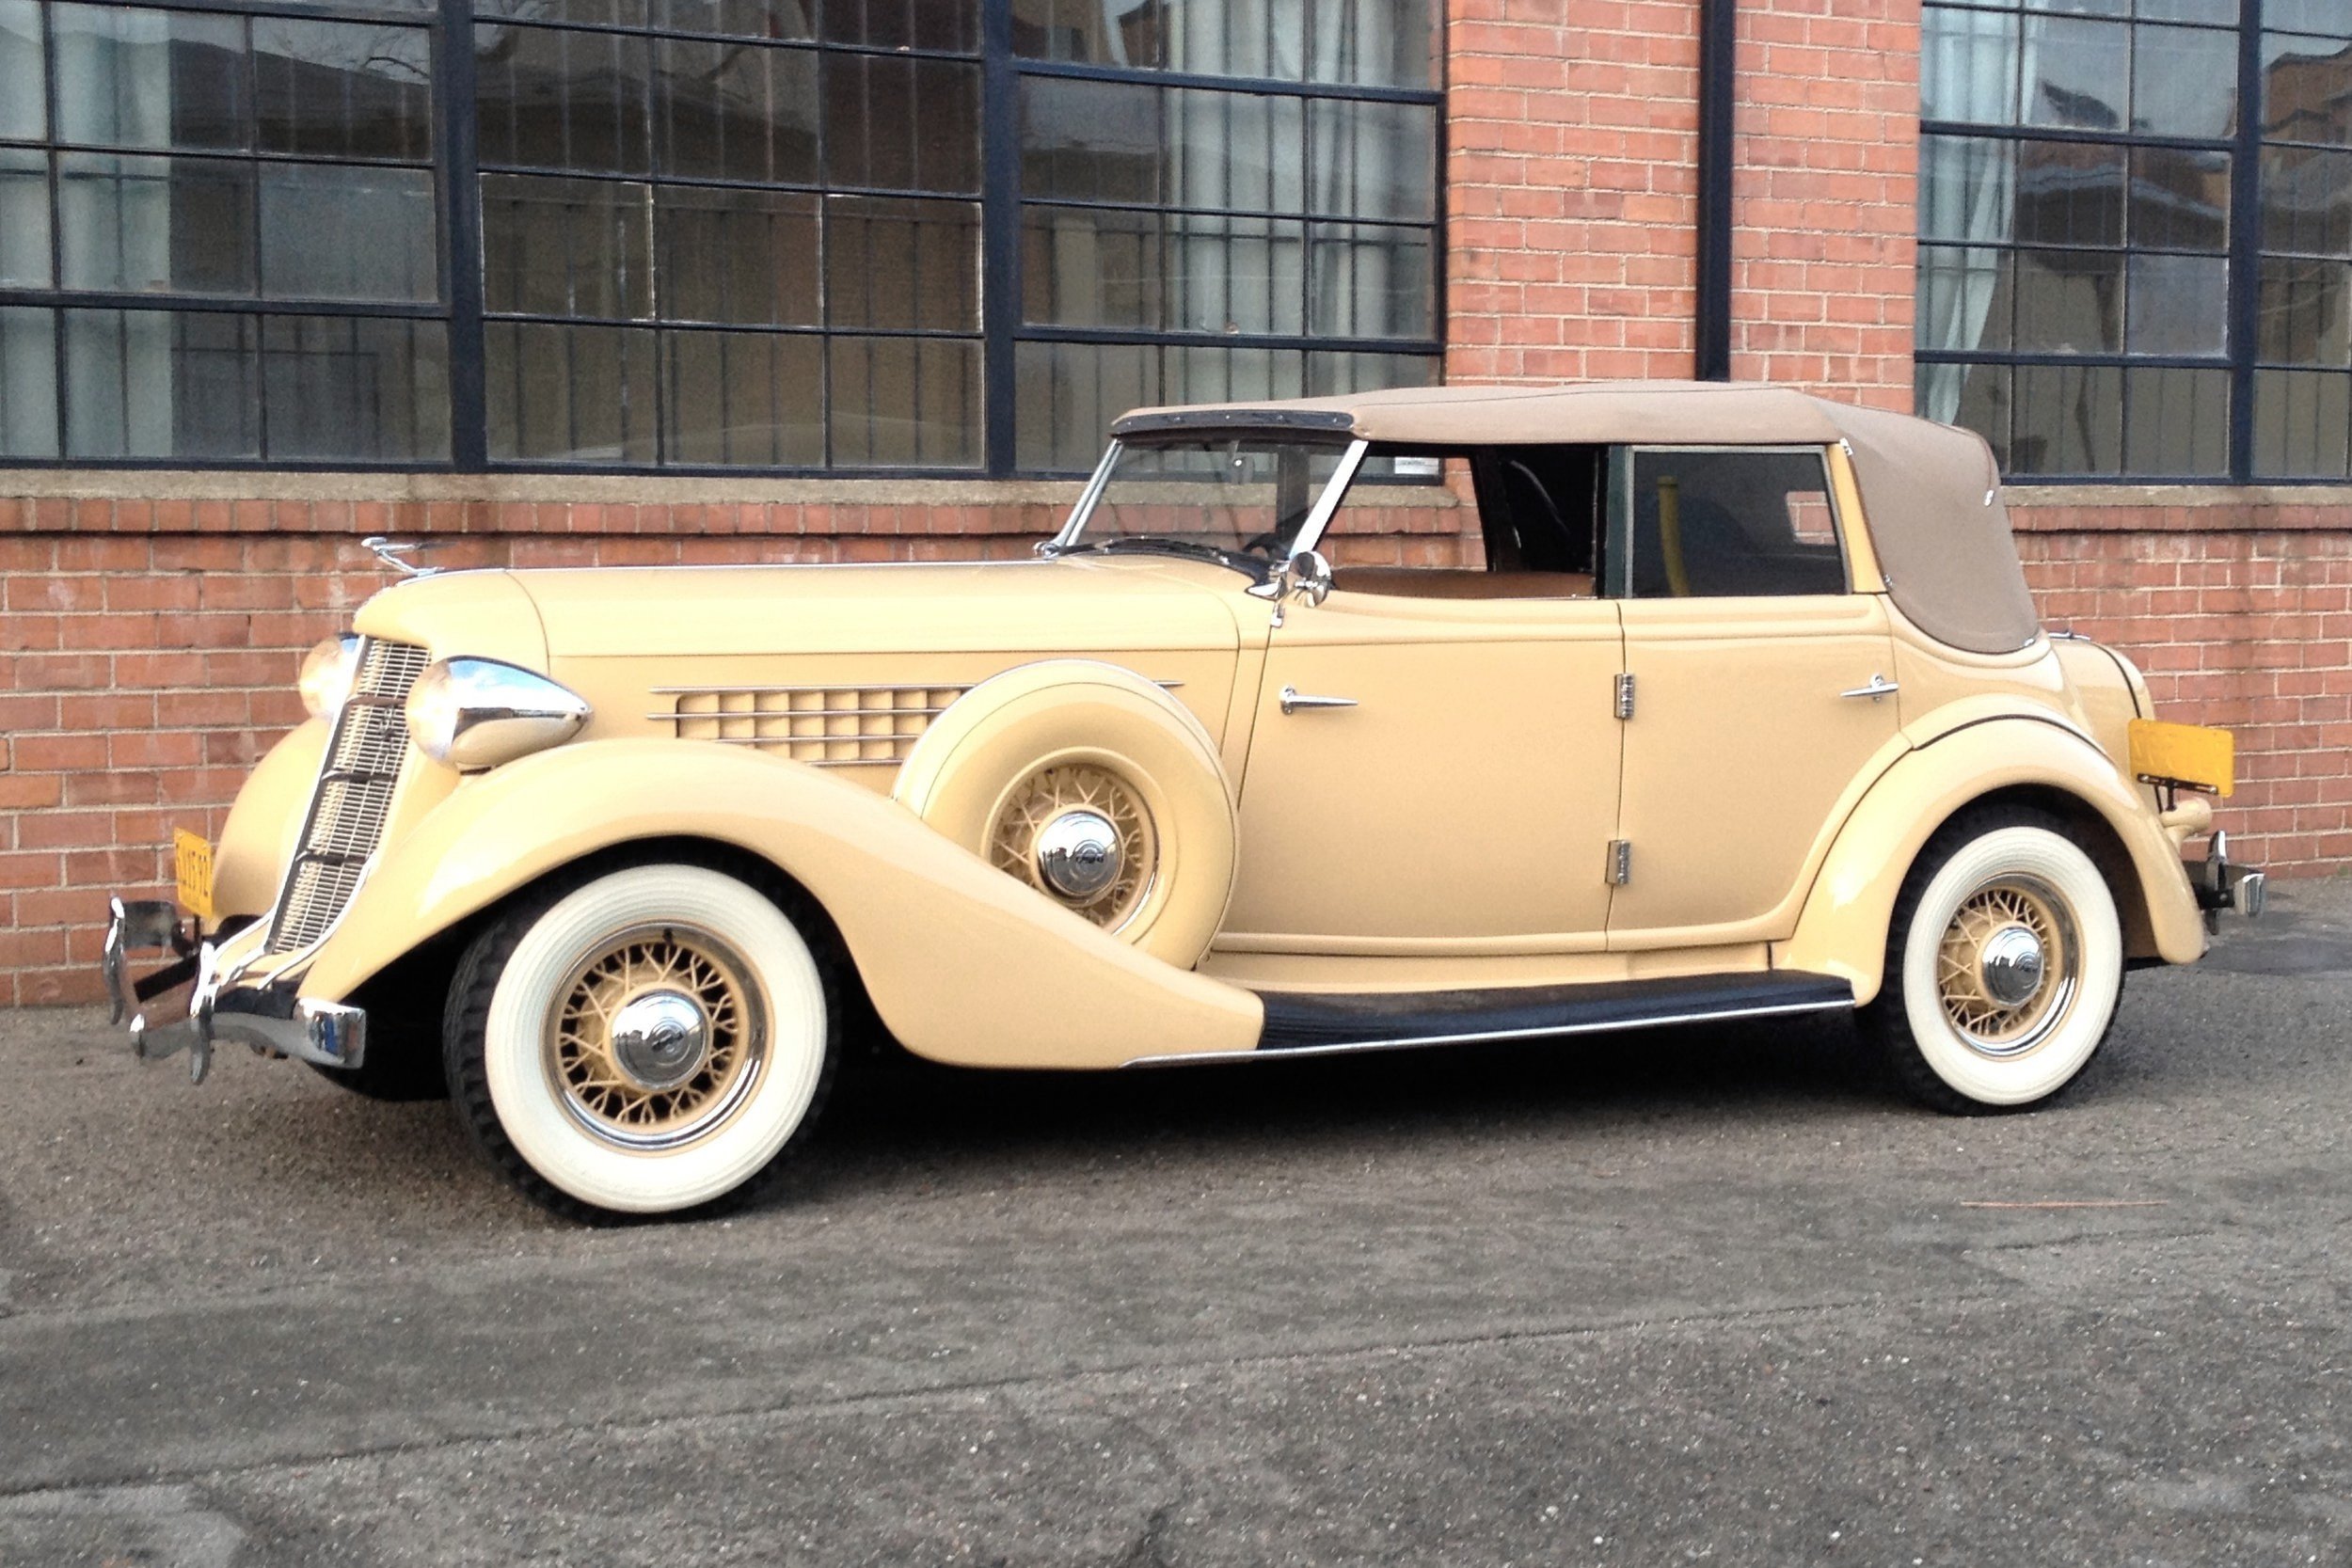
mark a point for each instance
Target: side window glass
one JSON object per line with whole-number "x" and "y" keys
{"x": 1725, "y": 524}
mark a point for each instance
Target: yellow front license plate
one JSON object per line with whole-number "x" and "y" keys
{"x": 2190, "y": 754}
{"x": 192, "y": 864}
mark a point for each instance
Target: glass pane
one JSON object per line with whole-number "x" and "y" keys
{"x": 902, "y": 263}
{"x": 1388, "y": 43}
{"x": 2076, "y": 72}
{"x": 2177, "y": 424}
{"x": 2221, "y": 12}
{"x": 2070, "y": 193}
{"x": 1373, "y": 160}
{"x": 2180, "y": 201}
{"x": 1117, "y": 142}
{"x": 565, "y": 247}
{"x": 901, "y": 124}
{"x": 160, "y": 384}
{"x": 1723, "y": 524}
{"x": 346, "y": 389}
{"x": 29, "y": 383}
{"x": 2178, "y": 305}
{"x": 138, "y": 78}
{"x": 1230, "y": 375}
{"x": 728, "y": 111}
{"x": 1965, "y": 296}
{"x": 2077, "y": 7}
{"x": 750, "y": 19}
{"x": 736, "y": 256}
{"x": 2184, "y": 82}
{"x": 2305, "y": 310}
{"x": 751, "y": 399}
{"x": 724, "y": 396}
{"x": 2308, "y": 16}
{"x": 1097, "y": 267}
{"x": 2069, "y": 420}
{"x": 570, "y": 394}
{"x": 342, "y": 90}
{"x": 1069, "y": 393}
{"x": 2307, "y": 201}
{"x": 1967, "y": 188}
{"x": 607, "y": 13}
{"x": 1329, "y": 374}
{"x": 156, "y": 225}
{"x": 1370, "y": 281}
{"x": 905, "y": 402}
{"x": 950, "y": 24}
{"x": 342, "y": 232}
{"x": 1973, "y": 396}
{"x": 2301, "y": 420}
{"x": 2307, "y": 89}
{"x": 24, "y": 103}
{"x": 546, "y": 98}
{"x": 1968, "y": 67}
{"x": 24, "y": 218}
{"x": 2070, "y": 301}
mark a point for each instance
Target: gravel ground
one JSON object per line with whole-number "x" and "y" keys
{"x": 1685, "y": 1296}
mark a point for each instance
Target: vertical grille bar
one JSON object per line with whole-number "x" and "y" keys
{"x": 353, "y": 797}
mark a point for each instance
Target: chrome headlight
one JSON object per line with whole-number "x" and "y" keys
{"x": 327, "y": 674}
{"x": 478, "y": 713}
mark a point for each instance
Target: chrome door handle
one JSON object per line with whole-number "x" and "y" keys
{"x": 1295, "y": 701}
{"x": 1880, "y": 686}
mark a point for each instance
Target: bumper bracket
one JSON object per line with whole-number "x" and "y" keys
{"x": 269, "y": 1017}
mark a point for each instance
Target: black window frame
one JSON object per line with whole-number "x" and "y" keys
{"x": 458, "y": 172}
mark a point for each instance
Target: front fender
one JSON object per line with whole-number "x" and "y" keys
{"x": 1843, "y": 927}
{"x": 258, "y": 838}
{"x": 963, "y": 964}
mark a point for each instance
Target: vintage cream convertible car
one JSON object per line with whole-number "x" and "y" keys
{"x": 1713, "y": 703}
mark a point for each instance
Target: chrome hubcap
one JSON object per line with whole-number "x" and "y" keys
{"x": 1078, "y": 856}
{"x": 2012, "y": 966}
{"x": 659, "y": 1040}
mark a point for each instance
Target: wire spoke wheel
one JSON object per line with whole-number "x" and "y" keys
{"x": 1081, "y": 834}
{"x": 2008, "y": 966}
{"x": 659, "y": 1036}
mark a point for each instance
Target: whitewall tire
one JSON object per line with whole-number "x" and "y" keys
{"x": 2004, "y": 965}
{"x": 646, "y": 1042}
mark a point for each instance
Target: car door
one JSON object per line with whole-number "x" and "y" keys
{"x": 1430, "y": 776}
{"x": 1753, "y": 667}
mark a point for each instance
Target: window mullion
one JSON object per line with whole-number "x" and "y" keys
{"x": 461, "y": 237}
{"x": 2245, "y": 244}
{"x": 1000, "y": 235}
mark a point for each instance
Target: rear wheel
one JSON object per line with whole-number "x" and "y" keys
{"x": 2004, "y": 965}
{"x": 647, "y": 1042}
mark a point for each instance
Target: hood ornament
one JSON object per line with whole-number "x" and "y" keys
{"x": 394, "y": 553}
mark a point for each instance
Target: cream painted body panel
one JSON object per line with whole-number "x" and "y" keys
{"x": 258, "y": 838}
{"x": 964, "y": 964}
{"x": 1465, "y": 805}
{"x": 1739, "y": 756}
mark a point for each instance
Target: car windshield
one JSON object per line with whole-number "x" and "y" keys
{"x": 1236, "y": 499}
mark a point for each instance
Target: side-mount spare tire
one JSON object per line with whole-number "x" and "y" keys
{"x": 1092, "y": 785}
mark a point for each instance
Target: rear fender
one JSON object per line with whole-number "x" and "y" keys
{"x": 963, "y": 964}
{"x": 1844, "y": 925}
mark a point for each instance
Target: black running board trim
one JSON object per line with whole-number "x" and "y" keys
{"x": 1311, "y": 1024}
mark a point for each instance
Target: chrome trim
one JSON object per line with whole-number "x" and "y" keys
{"x": 394, "y": 553}
{"x": 1351, "y": 1047}
{"x": 659, "y": 1040}
{"x": 500, "y": 712}
{"x": 270, "y": 1017}
{"x": 677, "y": 716}
{"x": 1077, "y": 856}
{"x": 1319, "y": 517}
{"x": 1880, "y": 686}
{"x": 1296, "y": 701}
{"x": 827, "y": 686}
{"x": 1083, "y": 507}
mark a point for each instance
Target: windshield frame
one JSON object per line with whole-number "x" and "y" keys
{"x": 1318, "y": 518}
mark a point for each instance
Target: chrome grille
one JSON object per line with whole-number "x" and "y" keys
{"x": 831, "y": 726}
{"x": 354, "y": 796}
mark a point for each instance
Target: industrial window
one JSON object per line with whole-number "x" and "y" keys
{"x": 2136, "y": 236}
{"x": 778, "y": 235}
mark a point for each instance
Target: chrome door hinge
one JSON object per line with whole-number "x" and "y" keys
{"x": 1624, "y": 696}
{"x": 1620, "y": 862}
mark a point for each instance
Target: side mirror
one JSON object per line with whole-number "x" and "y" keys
{"x": 1305, "y": 577}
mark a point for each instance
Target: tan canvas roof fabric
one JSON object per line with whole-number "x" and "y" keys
{"x": 1931, "y": 490}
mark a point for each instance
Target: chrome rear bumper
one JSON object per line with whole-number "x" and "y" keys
{"x": 191, "y": 1005}
{"x": 2222, "y": 883}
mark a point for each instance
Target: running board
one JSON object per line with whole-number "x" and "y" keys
{"x": 1311, "y": 1024}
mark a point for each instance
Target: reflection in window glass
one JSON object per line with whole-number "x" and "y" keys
{"x": 29, "y": 383}
{"x": 2307, "y": 89}
{"x": 23, "y": 101}
{"x": 2302, "y": 419}
{"x": 2070, "y": 193}
{"x": 24, "y": 218}
{"x": 131, "y": 77}
{"x": 145, "y": 225}
{"x": 1373, "y": 160}
{"x": 565, "y": 247}
{"x": 1968, "y": 67}
{"x": 2178, "y": 304}
{"x": 2070, "y": 301}
{"x": 548, "y": 97}
{"x": 2180, "y": 201}
{"x": 953, "y": 25}
{"x": 903, "y": 124}
{"x": 570, "y": 394}
{"x": 1967, "y": 188}
{"x": 1966, "y": 298}
{"x": 2077, "y": 74}
{"x": 354, "y": 389}
{"x": 743, "y": 399}
{"x": 2178, "y": 423}
{"x": 905, "y": 402}
{"x": 1069, "y": 392}
{"x": 1726, "y": 524}
{"x": 727, "y": 111}
{"x": 2069, "y": 419}
{"x": 1091, "y": 267}
{"x": 161, "y": 384}
{"x": 2184, "y": 82}
{"x": 2306, "y": 313}
{"x": 2307, "y": 201}
{"x": 736, "y": 255}
{"x": 899, "y": 262}
{"x": 340, "y": 89}
{"x": 332, "y": 232}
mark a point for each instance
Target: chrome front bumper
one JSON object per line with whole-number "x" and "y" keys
{"x": 192, "y": 1005}
{"x": 2222, "y": 883}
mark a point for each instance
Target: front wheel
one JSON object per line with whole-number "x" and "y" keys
{"x": 2004, "y": 966}
{"x": 647, "y": 1042}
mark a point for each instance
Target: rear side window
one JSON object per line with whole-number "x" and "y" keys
{"x": 1700, "y": 524}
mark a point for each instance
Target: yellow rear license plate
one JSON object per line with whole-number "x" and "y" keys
{"x": 2184, "y": 753}
{"x": 192, "y": 866}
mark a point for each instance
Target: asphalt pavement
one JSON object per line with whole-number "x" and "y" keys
{"x": 1685, "y": 1296}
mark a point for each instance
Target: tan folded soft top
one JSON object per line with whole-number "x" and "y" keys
{"x": 1932, "y": 492}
